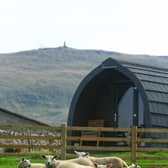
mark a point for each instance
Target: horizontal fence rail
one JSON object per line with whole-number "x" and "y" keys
{"x": 65, "y": 139}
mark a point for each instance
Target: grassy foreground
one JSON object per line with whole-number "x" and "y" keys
{"x": 12, "y": 161}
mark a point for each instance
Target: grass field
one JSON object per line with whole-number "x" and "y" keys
{"x": 12, "y": 161}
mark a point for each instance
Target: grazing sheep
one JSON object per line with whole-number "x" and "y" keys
{"x": 51, "y": 162}
{"x": 25, "y": 163}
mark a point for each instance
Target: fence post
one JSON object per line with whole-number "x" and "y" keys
{"x": 133, "y": 143}
{"x": 29, "y": 140}
{"x": 63, "y": 139}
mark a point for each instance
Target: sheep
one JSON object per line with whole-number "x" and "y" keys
{"x": 104, "y": 160}
{"x": 51, "y": 162}
{"x": 70, "y": 164}
{"x": 86, "y": 161}
{"x": 81, "y": 154}
{"x": 116, "y": 161}
{"x": 25, "y": 163}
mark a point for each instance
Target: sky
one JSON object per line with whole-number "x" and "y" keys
{"x": 127, "y": 26}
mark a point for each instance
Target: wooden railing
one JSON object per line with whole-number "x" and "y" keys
{"x": 65, "y": 139}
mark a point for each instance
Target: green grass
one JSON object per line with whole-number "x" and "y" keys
{"x": 12, "y": 161}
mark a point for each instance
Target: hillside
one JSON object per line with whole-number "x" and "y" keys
{"x": 40, "y": 83}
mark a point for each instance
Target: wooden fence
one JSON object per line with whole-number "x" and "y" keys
{"x": 65, "y": 139}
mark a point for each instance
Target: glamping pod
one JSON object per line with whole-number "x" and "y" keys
{"x": 121, "y": 94}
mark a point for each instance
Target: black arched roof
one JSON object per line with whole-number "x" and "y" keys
{"x": 152, "y": 83}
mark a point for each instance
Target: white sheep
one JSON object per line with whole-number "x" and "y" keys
{"x": 81, "y": 154}
{"x": 101, "y": 161}
{"x": 51, "y": 162}
{"x": 116, "y": 162}
{"x": 25, "y": 163}
{"x": 70, "y": 164}
{"x": 67, "y": 164}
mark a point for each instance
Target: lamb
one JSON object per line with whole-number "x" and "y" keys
{"x": 51, "y": 162}
{"x": 116, "y": 161}
{"x": 25, "y": 163}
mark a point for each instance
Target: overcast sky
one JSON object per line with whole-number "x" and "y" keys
{"x": 128, "y": 26}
